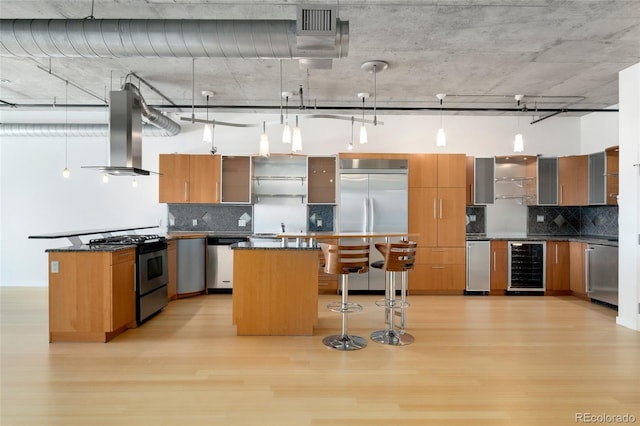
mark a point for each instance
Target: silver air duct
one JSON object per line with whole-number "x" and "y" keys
{"x": 153, "y": 116}
{"x": 122, "y": 38}
{"x": 71, "y": 130}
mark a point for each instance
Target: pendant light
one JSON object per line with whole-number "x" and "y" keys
{"x": 296, "y": 145}
{"x": 518, "y": 142}
{"x": 286, "y": 132}
{"x": 441, "y": 138}
{"x": 264, "y": 141}
{"x": 65, "y": 172}
{"x": 207, "y": 136}
{"x": 363, "y": 130}
{"x": 350, "y": 144}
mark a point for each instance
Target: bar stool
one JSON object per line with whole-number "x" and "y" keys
{"x": 344, "y": 260}
{"x": 398, "y": 257}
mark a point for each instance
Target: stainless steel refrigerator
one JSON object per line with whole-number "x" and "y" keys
{"x": 373, "y": 198}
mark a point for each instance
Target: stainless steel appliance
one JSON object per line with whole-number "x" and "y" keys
{"x": 601, "y": 265}
{"x": 373, "y": 198}
{"x": 152, "y": 275}
{"x": 526, "y": 266}
{"x": 478, "y": 267}
{"x": 192, "y": 267}
{"x": 220, "y": 263}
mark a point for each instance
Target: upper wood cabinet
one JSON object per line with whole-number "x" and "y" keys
{"x": 612, "y": 168}
{"x": 189, "y": 178}
{"x": 470, "y": 180}
{"x": 572, "y": 181}
{"x": 437, "y": 170}
{"x": 236, "y": 179}
{"x": 321, "y": 180}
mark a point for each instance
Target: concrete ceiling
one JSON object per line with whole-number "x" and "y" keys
{"x": 559, "y": 54}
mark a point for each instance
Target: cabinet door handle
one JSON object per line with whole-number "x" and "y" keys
{"x": 435, "y": 216}
{"x": 440, "y": 208}
{"x": 494, "y": 261}
{"x": 437, "y": 267}
{"x": 186, "y": 197}
{"x": 218, "y": 191}
{"x": 561, "y": 193}
{"x": 556, "y": 244}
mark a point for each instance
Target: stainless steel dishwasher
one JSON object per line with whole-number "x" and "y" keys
{"x": 191, "y": 266}
{"x": 220, "y": 263}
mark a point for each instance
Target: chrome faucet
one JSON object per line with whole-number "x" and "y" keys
{"x": 282, "y": 225}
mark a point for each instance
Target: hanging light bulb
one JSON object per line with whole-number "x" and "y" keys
{"x": 264, "y": 141}
{"x": 350, "y": 144}
{"x": 296, "y": 145}
{"x": 66, "y": 173}
{"x": 363, "y": 130}
{"x": 441, "y": 138}
{"x": 105, "y": 178}
{"x": 518, "y": 141}
{"x": 286, "y": 131}
{"x": 134, "y": 183}
{"x": 207, "y": 135}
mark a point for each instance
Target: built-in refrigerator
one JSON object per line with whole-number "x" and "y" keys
{"x": 373, "y": 198}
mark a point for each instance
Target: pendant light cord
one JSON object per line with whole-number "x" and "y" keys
{"x": 375, "y": 96}
{"x": 193, "y": 90}
{"x": 66, "y": 121}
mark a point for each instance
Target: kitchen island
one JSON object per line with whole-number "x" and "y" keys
{"x": 275, "y": 289}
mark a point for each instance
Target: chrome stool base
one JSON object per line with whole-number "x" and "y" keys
{"x": 344, "y": 342}
{"x": 392, "y": 337}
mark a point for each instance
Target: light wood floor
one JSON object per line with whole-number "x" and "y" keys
{"x": 476, "y": 361}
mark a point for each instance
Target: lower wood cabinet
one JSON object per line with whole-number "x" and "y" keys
{"x": 438, "y": 271}
{"x": 557, "y": 268}
{"x": 577, "y": 283}
{"x": 499, "y": 267}
{"x": 91, "y": 295}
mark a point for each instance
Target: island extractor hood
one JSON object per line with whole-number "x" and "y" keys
{"x": 125, "y": 135}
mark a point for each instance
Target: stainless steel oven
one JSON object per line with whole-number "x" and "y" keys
{"x": 151, "y": 289}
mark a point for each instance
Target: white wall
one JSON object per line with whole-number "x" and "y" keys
{"x": 36, "y": 199}
{"x": 629, "y": 200}
{"x": 599, "y": 131}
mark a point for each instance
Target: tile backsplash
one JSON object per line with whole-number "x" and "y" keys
{"x": 210, "y": 218}
{"x": 573, "y": 221}
{"x": 476, "y": 220}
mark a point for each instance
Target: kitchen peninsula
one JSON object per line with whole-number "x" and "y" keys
{"x": 275, "y": 284}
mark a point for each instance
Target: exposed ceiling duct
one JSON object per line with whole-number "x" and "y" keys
{"x": 53, "y": 130}
{"x": 121, "y": 38}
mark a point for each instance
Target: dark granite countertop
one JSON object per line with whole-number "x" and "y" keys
{"x": 589, "y": 239}
{"x": 96, "y": 248}
{"x": 271, "y": 245}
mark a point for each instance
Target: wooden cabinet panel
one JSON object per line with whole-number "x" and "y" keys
{"x": 122, "y": 308}
{"x": 204, "y": 179}
{"x": 174, "y": 178}
{"x": 423, "y": 170}
{"x": 499, "y": 266}
{"x": 577, "y": 282}
{"x": 572, "y": 180}
{"x": 470, "y": 172}
{"x": 452, "y": 170}
{"x": 321, "y": 180}
{"x": 437, "y": 279}
{"x": 92, "y": 296}
{"x": 440, "y": 256}
{"x": 423, "y": 215}
{"x": 451, "y": 217}
{"x": 236, "y": 179}
{"x": 557, "y": 268}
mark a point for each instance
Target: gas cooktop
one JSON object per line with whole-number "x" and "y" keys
{"x": 127, "y": 240}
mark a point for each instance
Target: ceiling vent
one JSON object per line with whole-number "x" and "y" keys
{"x": 316, "y": 20}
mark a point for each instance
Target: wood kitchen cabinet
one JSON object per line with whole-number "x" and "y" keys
{"x": 573, "y": 180}
{"x": 557, "y": 268}
{"x": 236, "y": 179}
{"x": 91, "y": 295}
{"x": 437, "y": 200}
{"x": 499, "y": 267}
{"x": 577, "y": 279}
{"x": 321, "y": 180}
{"x": 189, "y": 178}
{"x": 470, "y": 168}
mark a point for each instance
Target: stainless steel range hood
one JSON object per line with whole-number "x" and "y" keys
{"x": 125, "y": 135}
